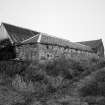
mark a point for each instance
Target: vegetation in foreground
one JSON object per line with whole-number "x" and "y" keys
{"x": 63, "y": 81}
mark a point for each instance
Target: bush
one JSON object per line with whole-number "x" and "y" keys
{"x": 89, "y": 89}
{"x": 65, "y": 67}
{"x": 95, "y": 86}
{"x": 100, "y": 101}
{"x": 13, "y": 67}
{"x": 94, "y": 100}
{"x": 91, "y": 100}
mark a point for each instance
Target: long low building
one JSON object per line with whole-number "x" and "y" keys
{"x": 26, "y": 44}
{"x": 96, "y": 45}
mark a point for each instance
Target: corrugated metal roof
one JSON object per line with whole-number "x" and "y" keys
{"x": 47, "y": 39}
{"x": 92, "y": 43}
{"x": 61, "y": 42}
{"x": 23, "y": 36}
{"x": 19, "y": 34}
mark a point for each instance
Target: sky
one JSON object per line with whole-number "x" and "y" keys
{"x": 75, "y": 20}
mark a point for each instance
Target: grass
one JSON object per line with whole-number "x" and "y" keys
{"x": 59, "y": 79}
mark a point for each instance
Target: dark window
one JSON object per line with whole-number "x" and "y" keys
{"x": 48, "y": 55}
{"x": 47, "y": 46}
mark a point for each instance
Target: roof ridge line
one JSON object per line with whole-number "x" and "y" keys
{"x": 39, "y": 39}
{"x": 90, "y": 40}
{"x": 18, "y": 26}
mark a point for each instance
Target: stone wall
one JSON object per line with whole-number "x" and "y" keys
{"x": 100, "y": 50}
{"x": 27, "y": 52}
{"x": 49, "y": 52}
{"x": 44, "y": 52}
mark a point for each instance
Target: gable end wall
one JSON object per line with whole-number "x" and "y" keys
{"x": 27, "y": 52}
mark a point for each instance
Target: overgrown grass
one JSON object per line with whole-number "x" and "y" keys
{"x": 13, "y": 67}
{"x": 53, "y": 77}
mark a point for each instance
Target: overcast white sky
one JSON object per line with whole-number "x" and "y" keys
{"x": 76, "y": 20}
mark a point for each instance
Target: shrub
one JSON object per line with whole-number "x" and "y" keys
{"x": 91, "y": 100}
{"x": 95, "y": 86}
{"x": 89, "y": 89}
{"x": 11, "y": 68}
{"x": 100, "y": 101}
{"x": 65, "y": 67}
{"x": 94, "y": 100}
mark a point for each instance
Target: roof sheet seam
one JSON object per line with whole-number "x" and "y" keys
{"x": 29, "y": 38}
